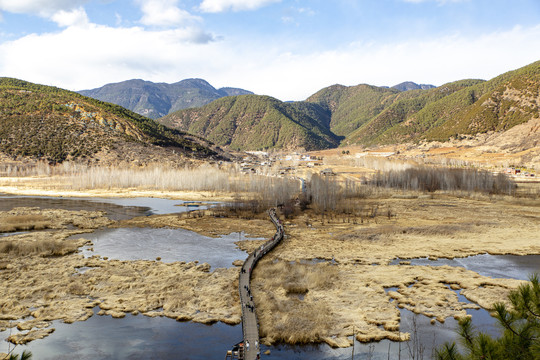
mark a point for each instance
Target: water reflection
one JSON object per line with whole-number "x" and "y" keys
{"x": 114, "y": 211}
{"x": 133, "y": 337}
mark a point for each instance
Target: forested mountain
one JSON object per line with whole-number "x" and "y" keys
{"x": 468, "y": 108}
{"x": 253, "y": 122}
{"x": 155, "y": 100}
{"x": 353, "y": 106}
{"x": 367, "y": 115}
{"x": 52, "y": 124}
{"x": 401, "y": 110}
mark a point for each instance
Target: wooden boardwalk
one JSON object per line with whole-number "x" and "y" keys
{"x": 250, "y": 325}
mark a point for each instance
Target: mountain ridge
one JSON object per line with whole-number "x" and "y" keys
{"x": 409, "y": 85}
{"x": 363, "y": 114}
{"x": 155, "y": 100}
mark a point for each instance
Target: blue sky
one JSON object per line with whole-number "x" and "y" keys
{"x": 288, "y": 49}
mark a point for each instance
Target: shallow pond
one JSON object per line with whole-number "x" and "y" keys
{"x": 497, "y": 266}
{"x": 133, "y": 337}
{"x": 168, "y": 244}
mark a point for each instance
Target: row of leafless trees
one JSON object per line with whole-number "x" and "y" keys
{"x": 329, "y": 194}
{"x": 272, "y": 190}
{"x": 447, "y": 179}
{"x": 40, "y": 168}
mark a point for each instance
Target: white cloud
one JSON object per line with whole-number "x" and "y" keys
{"x": 84, "y": 57}
{"x": 307, "y": 11}
{"x": 287, "y": 19}
{"x": 216, "y": 6}
{"x": 165, "y": 13}
{"x": 44, "y": 8}
{"x": 75, "y": 17}
{"x": 91, "y": 56}
{"x": 118, "y": 18}
{"x": 292, "y": 76}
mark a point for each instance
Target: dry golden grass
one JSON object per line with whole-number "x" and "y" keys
{"x": 436, "y": 226}
{"x": 207, "y": 224}
{"x": 33, "y": 218}
{"x": 45, "y": 243}
{"x": 282, "y": 315}
{"x": 46, "y": 247}
{"x": 336, "y": 299}
{"x": 50, "y": 288}
{"x": 23, "y": 223}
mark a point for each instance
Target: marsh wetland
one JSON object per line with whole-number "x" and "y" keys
{"x": 124, "y": 277}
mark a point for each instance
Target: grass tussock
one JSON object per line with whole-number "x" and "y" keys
{"x": 48, "y": 247}
{"x": 308, "y": 325}
{"x": 284, "y": 315}
{"x": 24, "y": 223}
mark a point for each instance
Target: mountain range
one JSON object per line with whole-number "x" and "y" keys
{"x": 54, "y": 124}
{"x": 155, "y": 100}
{"x": 368, "y": 115}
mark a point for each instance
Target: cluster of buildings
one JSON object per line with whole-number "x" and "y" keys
{"x": 257, "y": 161}
{"x": 517, "y": 172}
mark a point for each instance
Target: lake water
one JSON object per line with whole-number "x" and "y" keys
{"x": 140, "y": 337}
{"x": 116, "y": 208}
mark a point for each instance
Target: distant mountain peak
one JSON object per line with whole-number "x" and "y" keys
{"x": 409, "y": 85}
{"x": 155, "y": 100}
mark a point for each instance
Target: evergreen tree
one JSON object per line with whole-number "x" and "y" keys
{"x": 520, "y": 322}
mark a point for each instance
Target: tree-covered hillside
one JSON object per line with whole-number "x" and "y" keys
{"x": 352, "y": 107}
{"x": 369, "y": 115}
{"x": 468, "y": 108}
{"x": 252, "y": 122}
{"x": 394, "y": 123}
{"x": 49, "y": 123}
